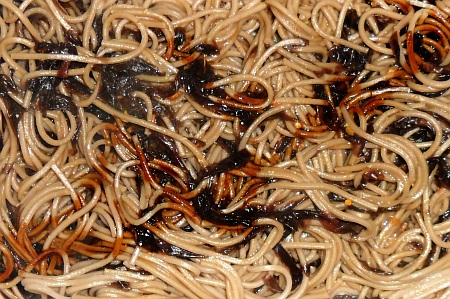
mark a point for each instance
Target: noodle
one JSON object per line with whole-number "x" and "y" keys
{"x": 224, "y": 149}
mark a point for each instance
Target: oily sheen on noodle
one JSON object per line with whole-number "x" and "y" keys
{"x": 224, "y": 149}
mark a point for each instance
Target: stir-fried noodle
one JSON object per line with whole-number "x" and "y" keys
{"x": 224, "y": 149}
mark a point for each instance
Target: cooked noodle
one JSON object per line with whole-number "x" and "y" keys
{"x": 224, "y": 149}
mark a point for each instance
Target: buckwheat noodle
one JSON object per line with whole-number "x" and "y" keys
{"x": 224, "y": 149}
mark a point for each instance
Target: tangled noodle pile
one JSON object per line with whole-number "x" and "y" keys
{"x": 224, "y": 149}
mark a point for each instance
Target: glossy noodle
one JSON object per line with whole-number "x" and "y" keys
{"x": 224, "y": 149}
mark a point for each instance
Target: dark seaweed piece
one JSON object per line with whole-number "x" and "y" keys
{"x": 334, "y": 93}
{"x": 97, "y": 25}
{"x": 258, "y": 289}
{"x": 163, "y": 177}
{"x": 45, "y": 88}
{"x": 432, "y": 162}
{"x": 292, "y": 220}
{"x": 206, "y": 49}
{"x": 382, "y": 22}
{"x": 159, "y": 33}
{"x": 443, "y": 173}
{"x": 38, "y": 247}
{"x": 6, "y": 85}
{"x": 75, "y": 86}
{"x": 135, "y": 35}
{"x": 445, "y": 238}
{"x": 406, "y": 124}
{"x": 400, "y": 162}
{"x": 180, "y": 37}
{"x": 187, "y": 228}
{"x": 15, "y": 111}
{"x": 206, "y": 208}
{"x": 319, "y": 92}
{"x": 72, "y": 37}
{"x": 118, "y": 81}
{"x": 228, "y": 145}
{"x": 133, "y": 67}
{"x": 432, "y": 94}
{"x": 13, "y": 213}
{"x": 350, "y": 23}
{"x": 352, "y": 60}
{"x": 334, "y": 197}
{"x": 102, "y": 115}
{"x": 272, "y": 283}
{"x": 375, "y": 270}
{"x": 339, "y": 226}
{"x": 19, "y": 262}
{"x": 133, "y": 106}
{"x": 371, "y": 176}
{"x": 314, "y": 264}
{"x": 357, "y": 144}
{"x": 162, "y": 147}
{"x": 329, "y": 116}
{"x": 286, "y": 258}
{"x": 393, "y": 43}
{"x": 444, "y": 216}
{"x": 193, "y": 78}
{"x": 431, "y": 57}
{"x": 162, "y": 110}
{"x": 234, "y": 161}
{"x": 162, "y": 90}
{"x": 282, "y": 145}
{"x": 57, "y": 101}
{"x": 195, "y": 75}
{"x": 58, "y": 48}
{"x": 145, "y": 238}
